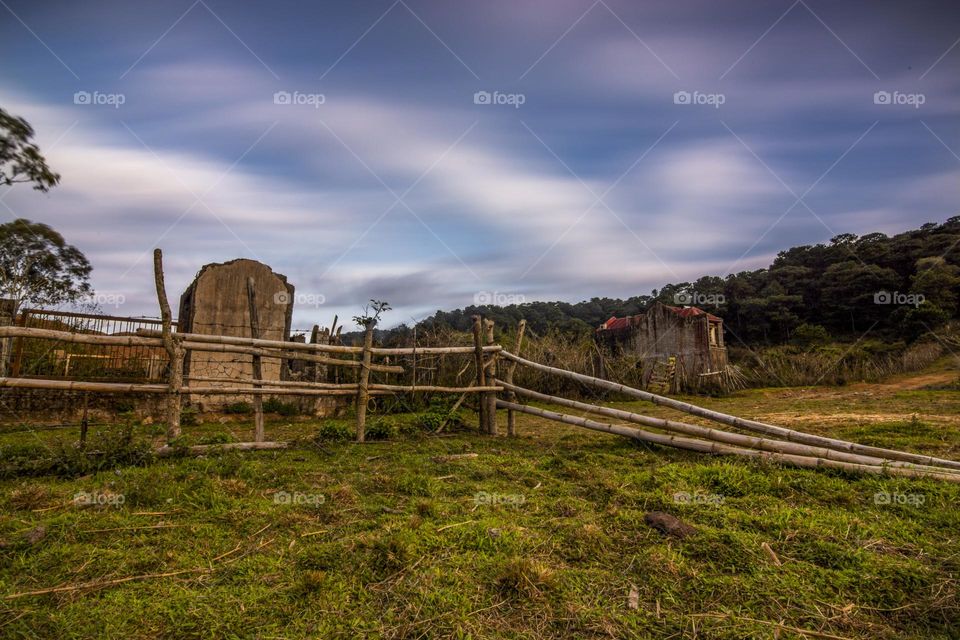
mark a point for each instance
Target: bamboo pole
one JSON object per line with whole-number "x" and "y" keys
{"x": 748, "y": 425}
{"x": 82, "y": 338}
{"x": 74, "y": 385}
{"x": 491, "y": 397}
{"x": 703, "y": 446}
{"x": 258, "y": 428}
{"x": 435, "y": 388}
{"x": 481, "y": 371}
{"x": 173, "y": 348}
{"x": 201, "y": 449}
{"x": 281, "y": 355}
{"x": 302, "y": 346}
{"x": 298, "y": 384}
{"x": 717, "y": 435}
{"x": 508, "y": 377}
{"x": 363, "y": 394}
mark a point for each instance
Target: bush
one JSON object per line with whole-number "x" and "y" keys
{"x": 275, "y": 405}
{"x": 189, "y": 417}
{"x": 334, "y": 431}
{"x": 239, "y": 408}
{"x": 382, "y": 428}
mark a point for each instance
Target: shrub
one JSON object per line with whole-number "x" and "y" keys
{"x": 239, "y": 408}
{"x": 334, "y": 431}
{"x": 189, "y": 417}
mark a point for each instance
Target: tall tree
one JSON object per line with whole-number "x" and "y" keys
{"x": 38, "y": 267}
{"x": 20, "y": 158}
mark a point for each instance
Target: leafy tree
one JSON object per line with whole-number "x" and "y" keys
{"x": 38, "y": 267}
{"x": 20, "y": 159}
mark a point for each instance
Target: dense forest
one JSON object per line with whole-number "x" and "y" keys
{"x": 899, "y": 287}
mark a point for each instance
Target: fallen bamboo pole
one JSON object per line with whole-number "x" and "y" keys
{"x": 717, "y": 435}
{"x": 748, "y": 425}
{"x": 201, "y": 449}
{"x": 703, "y": 446}
{"x": 435, "y": 388}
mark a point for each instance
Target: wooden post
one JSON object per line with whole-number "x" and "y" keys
{"x": 491, "y": 396}
{"x": 508, "y": 377}
{"x": 481, "y": 374}
{"x": 85, "y": 421}
{"x": 258, "y": 429}
{"x": 173, "y": 349}
{"x": 363, "y": 394}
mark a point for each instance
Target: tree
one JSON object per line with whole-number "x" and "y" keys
{"x": 20, "y": 159}
{"x": 38, "y": 267}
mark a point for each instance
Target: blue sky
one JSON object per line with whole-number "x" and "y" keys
{"x": 624, "y": 145}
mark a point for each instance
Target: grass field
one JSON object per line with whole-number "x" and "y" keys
{"x": 540, "y": 536}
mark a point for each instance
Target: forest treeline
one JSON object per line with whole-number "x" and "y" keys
{"x": 898, "y": 287}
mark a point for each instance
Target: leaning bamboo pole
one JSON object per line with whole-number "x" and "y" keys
{"x": 508, "y": 377}
{"x": 748, "y": 425}
{"x": 254, "y": 313}
{"x": 490, "y": 397}
{"x": 717, "y": 435}
{"x": 173, "y": 347}
{"x": 363, "y": 391}
{"x": 703, "y": 446}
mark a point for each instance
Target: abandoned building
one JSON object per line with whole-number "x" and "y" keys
{"x": 675, "y": 346}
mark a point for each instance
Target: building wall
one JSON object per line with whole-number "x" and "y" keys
{"x": 660, "y": 334}
{"x": 216, "y": 304}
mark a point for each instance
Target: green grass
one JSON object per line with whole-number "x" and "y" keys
{"x": 336, "y": 540}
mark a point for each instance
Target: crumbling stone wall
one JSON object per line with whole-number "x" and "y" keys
{"x": 216, "y": 304}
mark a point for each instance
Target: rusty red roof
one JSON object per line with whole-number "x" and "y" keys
{"x": 615, "y": 323}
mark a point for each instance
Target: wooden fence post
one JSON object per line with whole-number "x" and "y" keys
{"x": 363, "y": 393}
{"x": 258, "y": 430}
{"x": 173, "y": 349}
{"x": 491, "y": 396}
{"x": 481, "y": 374}
{"x": 508, "y": 377}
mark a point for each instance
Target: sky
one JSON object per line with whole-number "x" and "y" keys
{"x": 435, "y": 154}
